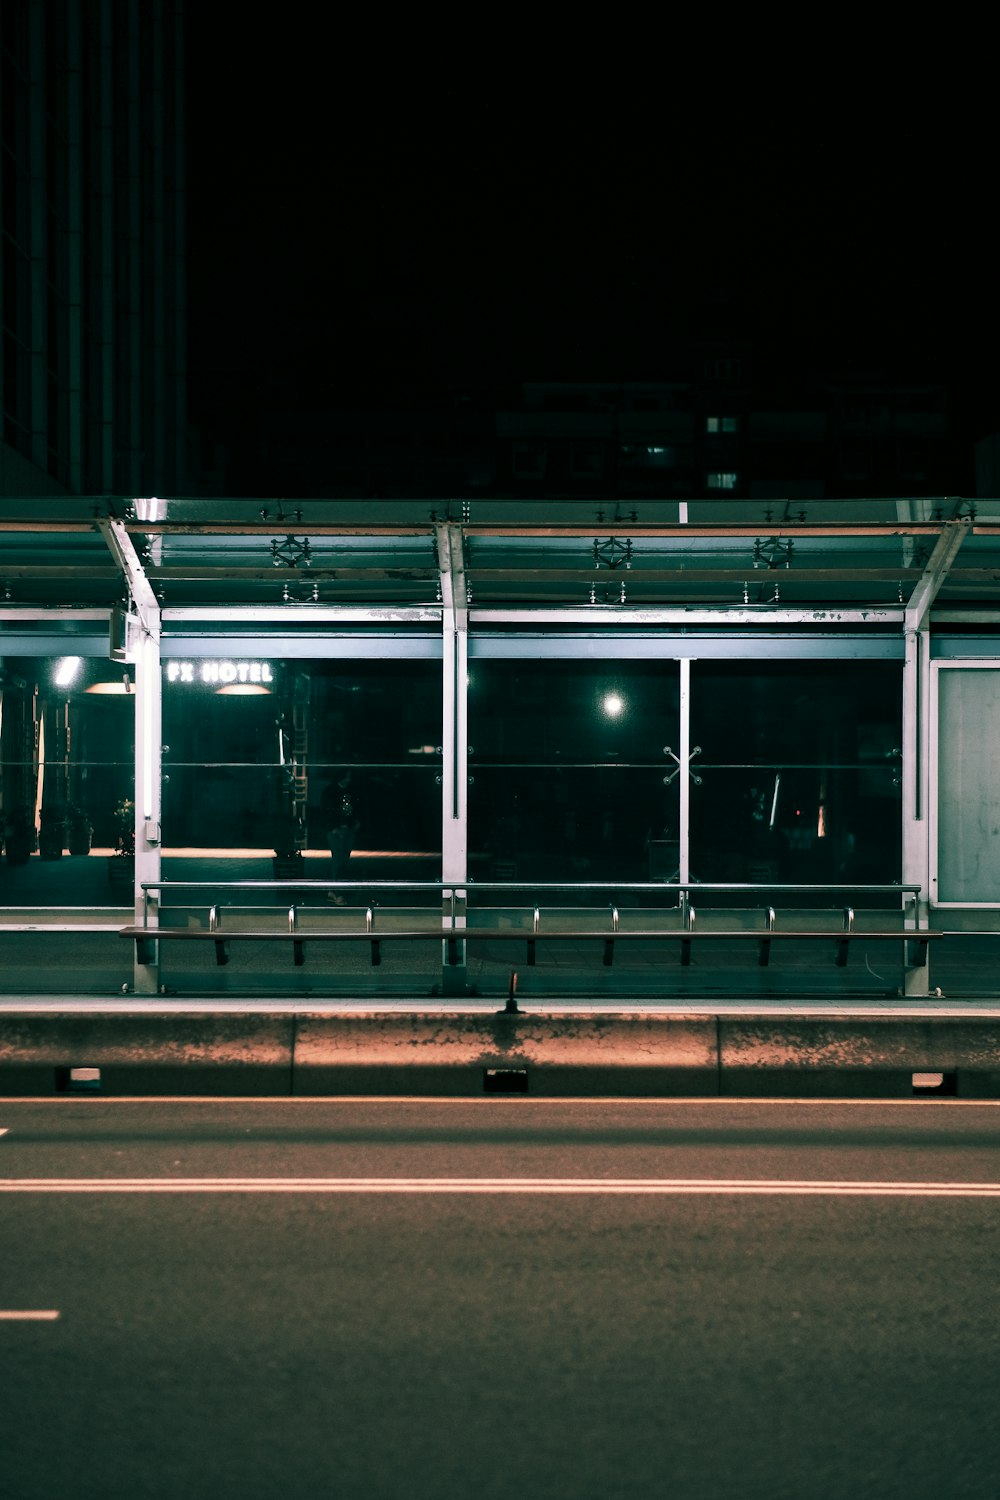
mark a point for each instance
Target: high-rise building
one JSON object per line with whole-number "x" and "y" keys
{"x": 92, "y": 286}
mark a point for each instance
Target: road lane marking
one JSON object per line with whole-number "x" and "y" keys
{"x": 42, "y": 1315}
{"x": 762, "y": 1187}
{"x": 497, "y": 1102}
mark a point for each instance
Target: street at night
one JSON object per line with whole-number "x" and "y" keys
{"x": 543, "y": 1298}
{"x": 499, "y": 811}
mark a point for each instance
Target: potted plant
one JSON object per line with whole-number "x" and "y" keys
{"x": 52, "y": 834}
{"x": 79, "y": 831}
{"x": 121, "y": 864}
{"x": 18, "y": 838}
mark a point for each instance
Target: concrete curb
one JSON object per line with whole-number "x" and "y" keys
{"x": 312, "y": 1052}
{"x": 857, "y": 1055}
{"x": 148, "y": 1054}
{"x": 452, "y": 1054}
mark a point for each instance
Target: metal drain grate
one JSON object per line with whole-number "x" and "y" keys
{"x": 505, "y": 1081}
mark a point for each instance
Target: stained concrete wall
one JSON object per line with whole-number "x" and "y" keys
{"x": 394, "y": 1052}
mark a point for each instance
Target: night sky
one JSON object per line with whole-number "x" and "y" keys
{"x": 363, "y": 230}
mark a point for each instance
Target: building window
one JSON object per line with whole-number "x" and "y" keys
{"x": 724, "y": 371}
{"x": 586, "y": 460}
{"x": 646, "y": 456}
{"x": 721, "y": 424}
{"x": 722, "y": 481}
{"x": 528, "y": 460}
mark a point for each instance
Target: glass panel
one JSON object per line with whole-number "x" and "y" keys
{"x": 968, "y": 789}
{"x": 568, "y": 764}
{"x": 800, "y": 766}
{"x": 66, "y": 780}
{"x": 309, "y": 770}
{"x": 798, "y": 825}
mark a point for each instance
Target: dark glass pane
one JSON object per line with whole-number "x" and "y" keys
{"x": 572, "y": 712}
{"x": 279, "y": 758}
{"x": 796, "y": 713}
{"x": 801, "y": 826}
{"x": 568, "y": 770}
{"x": 818, "y": 795}
{"x": 66, "y": 779}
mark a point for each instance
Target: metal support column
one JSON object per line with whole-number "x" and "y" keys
{"x": 148, "y": 747}
{"x": 684, "y": 764}
{"x": 454, "y": 751}
{"x": 148, "y": 740}
{"x": 916, "y": 787}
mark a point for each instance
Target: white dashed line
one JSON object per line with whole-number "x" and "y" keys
{"x": 28, "y": 1315}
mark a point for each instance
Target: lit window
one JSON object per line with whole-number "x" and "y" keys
{"x": 646, "y": 456}
{"x": 720, "y": 424}
{"x": 725, "y": 481}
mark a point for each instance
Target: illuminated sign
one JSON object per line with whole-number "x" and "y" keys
{"x": 216, "y": 672}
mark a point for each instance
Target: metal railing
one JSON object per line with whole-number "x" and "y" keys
{"x": 458, "y": 898}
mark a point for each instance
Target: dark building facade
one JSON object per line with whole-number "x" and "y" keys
{"x": 718, "y": 428}
{"x": 721, "y": 434}
{"x": 92, "y": 290}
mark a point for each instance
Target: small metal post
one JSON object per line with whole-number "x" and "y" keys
{"x": 511, "y": 1008}
{"x": 764, "y": 951}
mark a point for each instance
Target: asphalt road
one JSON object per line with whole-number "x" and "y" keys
{"x": 499, "y": 1297}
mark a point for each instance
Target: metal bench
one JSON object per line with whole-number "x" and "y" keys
{"x": 687, "y": 938}
{"x": 660, "y": 921}
{"x": 146, "y": 937}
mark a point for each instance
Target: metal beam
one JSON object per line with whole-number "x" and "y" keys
{"x": 52, "y": 613}
{"x": 569, "y": 530}
{"x": 122, "y": 549}
{"x": 687, "y": 530}
{"x": 56, "y": 573}
{"x": 294, "y": 613}
{"x": 197, "y": 573}
{"x": 692, "y": 574}
{"x": 451, "y": 563}
{"x": 762, "y": 615}
{"x": 952, "y": 536}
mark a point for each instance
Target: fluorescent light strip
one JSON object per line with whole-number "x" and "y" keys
{"x": 150, "y": 665}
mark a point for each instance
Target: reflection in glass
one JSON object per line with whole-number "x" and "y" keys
{"x": 66, "y": 779}
{"x": 330, "y": 772}
{"x": 568, "y": 770}
{"x": 800, "y": 772}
